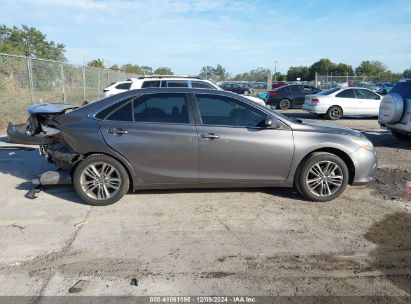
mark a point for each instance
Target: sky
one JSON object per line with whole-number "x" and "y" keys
{"x": 239, "y": 35}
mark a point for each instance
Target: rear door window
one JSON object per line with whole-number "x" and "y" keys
{"x": 296, "y": 89}
{"x": 123, "y": 86}
{"x": 151, "y": 84}
{"x": 349, "y": 93}
{"x": 284, "y": 90}
{"x": 177, "y": 84}
{"x": 161, "y": 108}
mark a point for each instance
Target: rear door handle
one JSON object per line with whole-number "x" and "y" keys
{"x": 210, "y": 136}
{"x": 116, "y": 131}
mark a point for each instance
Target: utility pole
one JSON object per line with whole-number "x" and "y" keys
{"x": 275, "y": 70}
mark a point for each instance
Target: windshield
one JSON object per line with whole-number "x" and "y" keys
{"x": 329, "y": 91}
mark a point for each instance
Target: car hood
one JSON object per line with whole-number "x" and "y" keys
{"x": 322, "y": 127}
{"x": 49, "y": 108}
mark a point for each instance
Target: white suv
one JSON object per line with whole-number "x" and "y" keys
{"x": 159, "y": 82}
{"x": 165, "y": 82}
{"x": 395, "y": 110}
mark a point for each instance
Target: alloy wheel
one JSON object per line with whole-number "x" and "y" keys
{"x": 324, "y": 178}
{"x": 100, "y": 181}
{"x": 284, "y": 104}
{"x": 335, "y": 113}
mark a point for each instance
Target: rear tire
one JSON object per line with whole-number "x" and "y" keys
{"x": 284, "y": 104}
{"x": 400, "y": 136}
{"x": 246, "y": 92}
{"x": 334, "y": 113}
{"x": 100, "y": 180}
{"x": 321, "y": 177}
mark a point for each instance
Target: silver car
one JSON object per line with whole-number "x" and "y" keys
{"x": 160, "y": 138}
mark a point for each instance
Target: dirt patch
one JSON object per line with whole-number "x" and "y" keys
{"x": 393, "y": 237}
{"x": 215, "y": 274}
{"x": 390, "y": 184}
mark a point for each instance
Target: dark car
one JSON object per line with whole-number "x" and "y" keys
{"x": 290, "y": 96}
{"x": 197, "y": 138}
{"x": 238, "y": 88}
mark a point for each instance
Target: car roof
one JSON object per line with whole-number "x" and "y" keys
{"x": 165, "y": 77}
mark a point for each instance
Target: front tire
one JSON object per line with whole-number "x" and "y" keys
{"x": 322, "y": 177}
{"x": 100, "y": 180}
{"x": 246, "y": 92}
{"x": 334, "y": 113}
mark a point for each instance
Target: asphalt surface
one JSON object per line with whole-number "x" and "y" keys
{"x": 208, "y": 242}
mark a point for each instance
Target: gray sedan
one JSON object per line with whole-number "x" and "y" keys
{"x": 196, "y": 138}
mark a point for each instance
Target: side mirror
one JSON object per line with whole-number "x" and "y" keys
{"x": 272, "y": 123}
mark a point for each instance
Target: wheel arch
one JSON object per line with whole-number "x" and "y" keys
{"x": 125, "y": 165}
{"x": 338, "y": 106}
{"x": 286, "y": 98}
{"x": 340, "y": 153}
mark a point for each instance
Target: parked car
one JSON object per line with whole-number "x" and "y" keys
{"x": 117, "y": 87}
{"x": 172, "y": 82}
{"x": 384, "y": 88}
{"x": 263, "y": 96}
{"x": 238, "y": 88}
{"x": 195, "y": 138}
{"x": 368, "y": 85}
{"x": 259, "y": 85}
{"x": 278, "y": 84}
{"x": 289, "y": 96}
{"x": 336, "y": 103}
{"x": 395, "y": 110}
{"x": 256, "y": 100}
{"x": 157, "y": 81}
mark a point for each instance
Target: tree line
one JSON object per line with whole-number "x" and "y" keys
{"x": 28, "y": 41}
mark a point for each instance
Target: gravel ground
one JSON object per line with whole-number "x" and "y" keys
{"x": 208, "y": 242}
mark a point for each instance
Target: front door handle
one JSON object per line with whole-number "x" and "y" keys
{"x": 210, "y": 136}
{"x": 116, "y": 131}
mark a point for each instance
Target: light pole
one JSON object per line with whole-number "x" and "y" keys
{"x": 275, "y": 70}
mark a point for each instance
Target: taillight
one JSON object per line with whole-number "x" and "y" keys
{"x": 315, "y": 100}
{"x": 272, "y": 93}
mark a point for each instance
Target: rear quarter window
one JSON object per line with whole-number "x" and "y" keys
{"x": 124, "y": 86}
{"x": 201, "y": 85}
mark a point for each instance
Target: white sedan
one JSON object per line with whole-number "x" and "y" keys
{"x": 337, "y": 102}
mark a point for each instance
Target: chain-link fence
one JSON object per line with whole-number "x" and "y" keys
{"x": 25, "y": 81}
{"x": 328, "y": 81}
